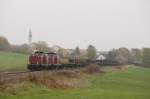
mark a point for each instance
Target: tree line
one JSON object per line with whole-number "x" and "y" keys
{"x": 121, "y": 55}
{"x": 22, "y": 48}
{"x": 43, "y": 46}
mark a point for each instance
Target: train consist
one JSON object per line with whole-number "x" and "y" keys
{"x": 40, "y": 61}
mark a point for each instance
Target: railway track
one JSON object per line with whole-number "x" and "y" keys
{"x": 18, "y": 75}
{"x": 12, "y": 72}
{"x": 15, "y": 75}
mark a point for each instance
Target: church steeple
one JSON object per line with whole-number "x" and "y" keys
{"x": 30, "y": 36}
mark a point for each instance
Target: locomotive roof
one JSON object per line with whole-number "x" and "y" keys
{"x": 50, "y": 53}
{"x": 40, "y": 52}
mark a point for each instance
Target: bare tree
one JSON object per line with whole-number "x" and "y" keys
{"x": 41, "y": 46}
{"x": 123, "y": 55}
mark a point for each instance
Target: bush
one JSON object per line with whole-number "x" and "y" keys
{"x": 92, "y": 69}
{"x": 59, "y": 79}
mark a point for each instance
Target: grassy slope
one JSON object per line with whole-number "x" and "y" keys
{"x": 132, "y": 84}
{"x": 10, "y": 60}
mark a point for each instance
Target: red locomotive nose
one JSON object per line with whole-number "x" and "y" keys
{"x": 33, "y": 59}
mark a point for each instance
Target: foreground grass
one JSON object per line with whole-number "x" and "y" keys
{"x": 10, "y": 60}
{"x": 131, "y": 84}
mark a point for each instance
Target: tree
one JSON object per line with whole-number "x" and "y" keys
{"x": 4, "y": 44}
{"x": 113, "y": 55}
{"x": 41, "y": 46}
{"x": 120, "y": 55}
{"x": 146, "y": 57}
{"x": 123, "y": 55}
{"x": 135, "y": 56}
{"x": 91, "y": 52}
{"x": 77, "y": 51}
{"x": 63, "y": 53}
{"x": 60, "y": 53}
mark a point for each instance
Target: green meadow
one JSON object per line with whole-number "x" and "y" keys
{"x": 131, "y": 84}
{"x": 11, "y": 61}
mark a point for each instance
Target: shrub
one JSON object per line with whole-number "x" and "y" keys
{"x": 92, "y": 69}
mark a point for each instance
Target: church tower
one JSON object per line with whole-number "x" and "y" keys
{"x": 30, "y": 36}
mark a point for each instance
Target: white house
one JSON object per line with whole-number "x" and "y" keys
{"x": 101, "y": 57}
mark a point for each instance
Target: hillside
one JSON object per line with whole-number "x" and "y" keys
{"x": 11, "y": 61}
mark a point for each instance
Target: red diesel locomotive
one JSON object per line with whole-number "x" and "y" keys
{"x": 40, "y": 60}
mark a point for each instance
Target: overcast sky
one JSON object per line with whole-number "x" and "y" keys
{"x": 106, "y": 24}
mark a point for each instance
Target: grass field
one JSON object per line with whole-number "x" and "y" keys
{"x": 131, "y": 84}
{"x": 10, "y": 60}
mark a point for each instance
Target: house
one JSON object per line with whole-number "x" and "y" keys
{"x": 101, "y": 57}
